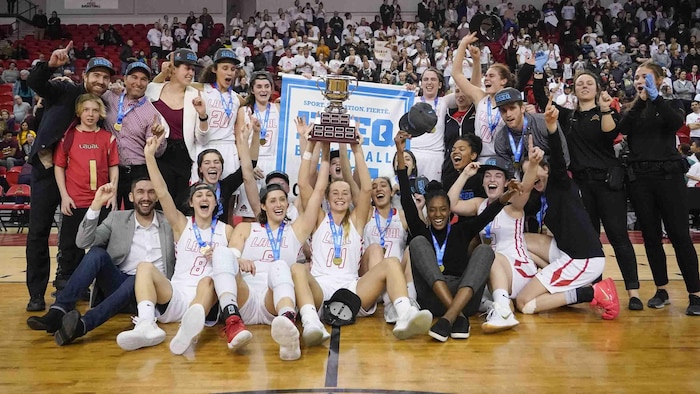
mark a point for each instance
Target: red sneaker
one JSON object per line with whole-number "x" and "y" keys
{"x": 236, "y": 333}
{"x": 605, "y": 296}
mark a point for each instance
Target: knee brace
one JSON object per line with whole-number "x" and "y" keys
{"x": 530, "y": 307}
{"x": 223, "y": 261}
{"x": 279, "y": 280}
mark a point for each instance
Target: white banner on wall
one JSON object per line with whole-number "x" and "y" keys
{"x": 91, "y": 4}
{"x": 377, "y": 108}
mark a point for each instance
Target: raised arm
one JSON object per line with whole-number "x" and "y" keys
{"x": 89, "y": 233}
{"x": 307, "y": 158}
{"x": 474, "y": 93}
{"x": 364, "y": 200}
{"x": 244, "y": 155}
{"x": 534, "y": 155}
{"x": 40, "y": 78}
{"x": 608, "y": 118}
{"x": 176, "y": 219}
{"x": 464, "y": 207}
{"x": 413, "y": 220}
{"x": 346, "y": 171}
{"x": 306, "y": 222}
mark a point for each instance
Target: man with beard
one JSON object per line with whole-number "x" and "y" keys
{"x": 59, "y": 111}
{"x": 132, "y": 119}
{"x": 117, "y": 246}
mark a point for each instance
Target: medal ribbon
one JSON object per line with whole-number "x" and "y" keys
{"x": 435, "y": 103}
{"x": 120, "y": 111}
{"x": 263, "y": 123}
{"x": 228, "y": 107}
{"x": 440, "y": 249}
{"x": 198, "y": 235}
{"x": 517, "y": 152}
{"x": 337, "y": 236}
{"x": 220, "y": 204}
{"x": 543, "y": 210}
{"x": 492, "y": 126}
{"x": 377, "y": 220}
{"x": 275, "y": 244}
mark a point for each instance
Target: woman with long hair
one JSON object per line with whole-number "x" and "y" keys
{"x": 655, "y": 182}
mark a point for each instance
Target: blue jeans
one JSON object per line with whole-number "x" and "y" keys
{"x": 117, "y": 287}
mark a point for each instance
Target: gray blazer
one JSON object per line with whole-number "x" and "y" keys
{"x": 116, "y": 232}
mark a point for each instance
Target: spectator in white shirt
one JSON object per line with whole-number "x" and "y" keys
{"x": 236, "y": 22}
{"x": 304, "y": 61}
{"x": 243, "y": 51}
{"x": 198, "y": 28}
{"x": 166, "y": 43}
{"x": 153, "y": 36}
{"x": 287, "y": 64}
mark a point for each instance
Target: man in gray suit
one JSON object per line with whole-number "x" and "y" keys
{"x": 117, "y": 246}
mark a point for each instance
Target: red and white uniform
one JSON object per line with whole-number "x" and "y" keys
{"x": 191, "y": 267}
{"x": 507, "y": 238}
{"x": 220, "y": 135}
{"x": 394, "y": 237}
{"x": 330, "y": 276}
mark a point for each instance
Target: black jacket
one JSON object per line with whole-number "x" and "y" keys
{"x": 59, "y": 107}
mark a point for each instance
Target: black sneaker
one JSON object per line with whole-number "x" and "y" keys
{"x": 441, "y": 330}
{"x": 50, "y": 322}
{"x": 659, "y": 300}
{"x": 460, "y": 328}
{"x": 636, "y": 304}
{"x": 71, "y": 328}
{"x": 693, "y": 306}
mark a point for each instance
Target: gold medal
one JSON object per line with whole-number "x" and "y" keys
{"x": 487, "y": 241}
{"x": 516, "y": 164}
{"x": 442, "y": 268}
{"x": 204, "y": 249}
{"x": 337, "y": 260}
{"x": 384, "y": 250}
{"x": 263, "y": 141}
{"x": 118, "y": 126}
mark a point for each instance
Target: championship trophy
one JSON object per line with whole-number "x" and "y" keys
{"x": 334, "y": 124}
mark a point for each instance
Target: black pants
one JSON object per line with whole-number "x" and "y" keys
{"x": 45, "y": 198}
{"x": 610, "y": 207}
{"x": 69, "y": 254}
{"x": 176, "y": 166}
{"x": 127, "y": 174}
{"x": 658, "y": 197}
{"x": 426, "y": 273}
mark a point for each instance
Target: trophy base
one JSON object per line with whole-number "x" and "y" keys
{"x": 334, "y": 127}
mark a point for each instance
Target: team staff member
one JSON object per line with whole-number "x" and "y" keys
{"x": 131, "y": 119}
{"x": 656, "y": 185}
{"x": 590, "y": 131}
{"x": 59, "y": 108}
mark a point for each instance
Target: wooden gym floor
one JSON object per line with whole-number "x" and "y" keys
{"x": 568, "y": 350}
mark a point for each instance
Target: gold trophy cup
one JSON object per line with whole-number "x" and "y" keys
{"x": 334, "y": 124}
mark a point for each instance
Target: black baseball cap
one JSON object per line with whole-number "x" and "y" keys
{"x": 420, "y": 119}
{"x": 508, "y": 96}
{"x": 186, "y": 56}
{"x": 226, "y": 55}
{"x": 100, "y": 62}
{"x": 138, "y": 66}
{"x": 342, "y": 308}
{"x": 276, "y": 174}
{"x": 269, "y": 188}
{"x": 495, "y": 163}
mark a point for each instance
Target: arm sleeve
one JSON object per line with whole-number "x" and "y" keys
{"x": 415, "y": 225}
{"x": 39, "y": 80}
{"x": 671, "y": 112}
{"x": 557, "y": 162}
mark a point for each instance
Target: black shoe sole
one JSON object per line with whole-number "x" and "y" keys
{"x": 35, "y": 324}
{"x": 36, "y": 307}
{"x": 67, "y": 333}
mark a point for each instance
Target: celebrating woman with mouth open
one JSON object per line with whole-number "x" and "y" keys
{"x": 448, "y": 281}
{"x": 189, "y": 295}
{"x": 512, "y": 268}
{"x": 337, "y": 246}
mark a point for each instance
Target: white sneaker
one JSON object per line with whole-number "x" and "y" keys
{"x": 412, "y": 323}
{"x": 191, "y": 325}
{"x": 499, "y": 318}
{"x": 285, "y": 333}
{"x": 314, "y": 331}
{"x": 145, "y": 333}
{"x": 390, "y": 315}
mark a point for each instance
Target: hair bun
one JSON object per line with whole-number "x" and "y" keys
{"x": 434, "y": 186}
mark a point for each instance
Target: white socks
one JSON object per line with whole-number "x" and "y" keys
{"x": 146, "y": 310}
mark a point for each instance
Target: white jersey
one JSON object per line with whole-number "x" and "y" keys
{"x": 434, "y": 140}
{"x": 483, "y": 126}
{"x": 258, "y": 249}
{"x": 394, "y": 237}
{"x": 507, "y": 238}
{"x": 191, "y": 264}
{"x": 267, "y": 156}
{"x": 220, "y": 135}
{"x": 322, "y": 252}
